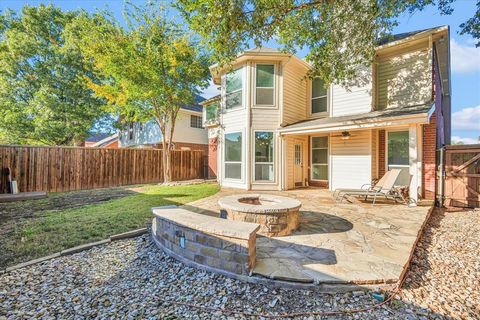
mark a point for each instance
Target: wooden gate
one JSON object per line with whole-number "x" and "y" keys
{"x": 462, "y": 176}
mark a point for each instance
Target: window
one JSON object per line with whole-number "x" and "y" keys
{"x": 196, "y": 122}
{"x": 264, "y": 84}
{"x": 211, "y": 112}
{"x": 264, "y": 156}
{"x": 130, "y": 131}
{"x": 398, "y": 155}
{"x": 233, "y": 155}
{"x": 320, "y": 158}
{"x": 319, "y": 96}
{"x": 298, "y": 155}
{"x": 234, "y": 85}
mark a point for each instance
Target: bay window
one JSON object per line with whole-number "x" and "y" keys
{"x": 265, "y": 84}
{"x": 234, "y": 89}
{"x": 319, "y": 97}
{"x": 233, "y": 155}
{"x": 264, "y": 156}
{"x": 319, "y": 158}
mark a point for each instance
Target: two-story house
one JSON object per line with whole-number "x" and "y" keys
{"x": 189, "y": 133}
{"x": 273, "y": 128}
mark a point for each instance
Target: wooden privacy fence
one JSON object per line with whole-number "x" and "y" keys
{"x": 55, "y": 169}
{"x": 462, "y": 176}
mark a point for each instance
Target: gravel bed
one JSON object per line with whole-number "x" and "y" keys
{"x": 445, "y": 271}
{"x": 133, "y": 279}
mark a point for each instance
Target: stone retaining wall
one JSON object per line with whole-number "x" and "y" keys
{"x": 216, "y": 243}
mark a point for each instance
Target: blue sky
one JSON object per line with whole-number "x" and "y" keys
{"x": 465, "y": 58}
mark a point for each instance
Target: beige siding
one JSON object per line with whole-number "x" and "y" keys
{"x": 404, "y": 79}
{"x": 185, "y": 133}
{"x": 350, "y": 160}
{"x": 265, "y": 118}
{"x": 294, "y": 92}
{"x": 354, "y": 100}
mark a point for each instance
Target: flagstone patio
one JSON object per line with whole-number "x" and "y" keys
{"x": 336, "y": 243}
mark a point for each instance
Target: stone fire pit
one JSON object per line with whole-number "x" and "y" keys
{"x": 277, "y": 215}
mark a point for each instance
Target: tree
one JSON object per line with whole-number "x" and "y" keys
{"x": 43, "y": 97}
{"x": 149, "y": 70}
{"x": 341, "y": 35}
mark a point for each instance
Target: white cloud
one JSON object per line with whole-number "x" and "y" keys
{"x": 464, "y": 58}
{"x": 211, "y": 91}
{"x": 457, "y": 139}
{"x": 466, "y": 119}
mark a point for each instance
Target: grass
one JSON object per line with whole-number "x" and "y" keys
{"x": 54, "y": 230}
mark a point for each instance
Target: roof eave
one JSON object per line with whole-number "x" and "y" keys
{"x": 413, "y": 37}
{"x": 419, "y": 118}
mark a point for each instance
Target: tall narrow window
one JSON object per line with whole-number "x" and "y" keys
{"x": 320, "y": 158}
{"x": 233, "y": 155}
{"x": 264, "y": 84}
{"x": 398, "y": 155}
{"x": 264, "y": 156}
{"x": 319, "y": 96}
{"x": 233, "y": 89}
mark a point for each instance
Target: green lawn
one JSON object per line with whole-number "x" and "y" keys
{"x": 49, "y": 231}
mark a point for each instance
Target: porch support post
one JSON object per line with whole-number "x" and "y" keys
{"x": 413, "y": 161}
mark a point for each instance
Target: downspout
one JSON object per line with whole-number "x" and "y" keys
{"x": 248, "y": 129}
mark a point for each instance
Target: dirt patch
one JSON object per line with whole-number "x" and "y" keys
{"x": 14, "y": 214}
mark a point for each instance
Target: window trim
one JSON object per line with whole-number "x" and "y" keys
{"x": 318, "y": 114}
{"x": 387, "y": 131}
{"x": 242, "y": 149}
{"x": 254, "y": 83}
{"x": 217, "y": 111}
{"x": 328, "y": 158}
{"x": 242, "y": 89}
{"x": 273, "y": 162}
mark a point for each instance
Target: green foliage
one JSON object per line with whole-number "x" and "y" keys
{"x": 43, "y": 97}
{"x": 147, "y": 71}
{"x": 340, "y": 35}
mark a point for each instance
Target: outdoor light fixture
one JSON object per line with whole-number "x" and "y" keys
{"x": 181, "y": 237}
{"x": 345, "y": 135}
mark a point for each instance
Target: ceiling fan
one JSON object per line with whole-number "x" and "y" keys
{"x": 345, "y": 135}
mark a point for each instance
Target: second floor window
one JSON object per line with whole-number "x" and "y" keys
{"x": 264, "y": 84}
{"x": 196, "y": 122}
{"x": 233, "y": 89}
{"x": 319, "y": 96}
{"x": 211, "y": 112}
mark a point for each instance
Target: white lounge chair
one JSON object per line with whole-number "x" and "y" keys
{"x": 383, "y": 188}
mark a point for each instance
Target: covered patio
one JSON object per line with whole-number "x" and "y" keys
{"x": 337, "y": 243}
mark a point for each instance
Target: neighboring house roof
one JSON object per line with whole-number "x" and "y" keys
{"x": 210, "y": 100}
{"x": 106, "y": 141}
{"x": 97, "y": 137}
{"x": 373, "y": 118}
{"x": 196, "y": 107}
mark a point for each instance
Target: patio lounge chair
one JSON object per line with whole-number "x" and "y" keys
{"x": 384, "y": 188}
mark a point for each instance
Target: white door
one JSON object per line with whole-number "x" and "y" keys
{"x": 298, "y": 164}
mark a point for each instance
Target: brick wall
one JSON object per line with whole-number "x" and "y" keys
{"x": 381, "y": 153}
{"x": 429, "y": 154}
{"x": 212, "y": 158}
